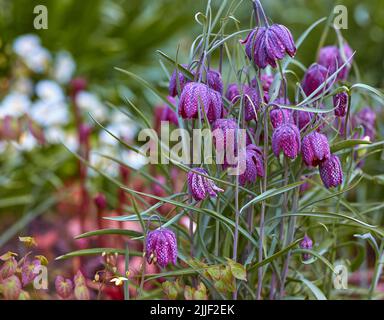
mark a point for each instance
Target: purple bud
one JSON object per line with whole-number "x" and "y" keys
{"x": 340, "y": 103}
{"x": 200, "y": 186}
{"x": 214, "y": 81}
{"x": 265, "y": 45}
{"x": 100, "y": 201}
{"x": 315, "y": 149}
{"x": 251, "y": 103}
{"x": 232, "y": 93}
{"x": 254, "y": 161}
{"x": 306, "y": 243}
{"x": 286, "y": 138}
{"x": 198, "y": 94}
{"x": 177, "y": 77}
{"x": 331, "y": 172}
{"x": 280, "y": 116}
{"x": 302, "y": 118}
{"x": 161, "y": 246}
{"x": 314, "y": 78}
{"x": 331, "y": 58}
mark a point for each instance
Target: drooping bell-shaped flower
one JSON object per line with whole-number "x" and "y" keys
{"x": 199, "y": 186}
{"x": 306, "y": 243}
{"x": 331, "y": 58}
{"x": 314, "y": 77}
{"x": 366, "y": 117}
{"x": 252, "y": 103}
{"x": 254, "y": 162}
{"x": 177, "y": 79}
{"x": 161, "y": 247}
{"x": 214, "y": 80}
{"x": 280, "y": 116}
{"x": 266, "y": 82}
{"x": 315, "y": 149}
{"x": 331, "y": 172}
{"x": 265, "y": 45}
{"x": 340, "y": 103}
{"x": 302, "y": 118}
{"x": 286, "y": 138}
{"x": 198, "y": 94}
{"x": 232, "y": 93}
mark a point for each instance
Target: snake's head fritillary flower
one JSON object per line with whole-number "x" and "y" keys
{"x": 306, "y": 243}
{"x": 340, "y": 103}
{"x": 232, "y": 93}
{"x": 266, "y": 82}
{"x": 286, "y": 138}
{"x": 214, "y": 80}
{"x": 315, "y": 149}
{"x": 280, "y": 116}
{"x": 199, "y": 186}
{"x": 265, "y": 45}
{"x": 302, "y": 118}
{"x": 254, "y": 162}
{"x": 64, "y": 287}
{"x": 252, "y": 103}
{"x": 314, "y": 77}
{"x": 331, "y": 58}
{"x": 366, "y": 117}
{"x": 198, "y": 94}
{"x": 161, "y": 247}
{"x": 331, "y": 172}
{"x": 227, "y": 135}
{"x": 177, "y": 79}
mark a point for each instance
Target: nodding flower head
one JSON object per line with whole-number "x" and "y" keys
{"x": 199, "y": 186}
{"x": 331, "y": 172}
{"x": 265, "y": 45}
{"x": 302, "y": 118}
{"x": 340, "y": 103}
{"x": 266, "y": 82}
{"x": 161, "y": 247}
{"x": 331, "y": 58}
{"x": 177, "y": 78}
{"x": 214, "y": 81}
{"x": 366, "y": 117}
{"x": 280, "y": 116}
{"x": 306, "y": 243}
{"x": 252, "y": 103}
{"x": 100, "y": 201}
{"x": 315, "y": 149}
{"x": 315, "y": 76}
{"x": 232, "y": 93}
{"x": 254, "y": 162}
{"x": 198, "y": 94}
{"x": 286, "y": 138}
{"x": 227, "y": 135}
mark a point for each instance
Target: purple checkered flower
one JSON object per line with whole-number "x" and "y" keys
{"x": 161, "y": 247}
{"x": 331, "y": 172}
{"x": 254, "y": 162}
{"x": 306, "y": 243}
{"x": 199, "y": 186}
{"x": 198, "y": 94}
{"x": 176, "y": 76}
{"x": 280, "y": 116}
{"x": 315, "y": 149}
{"x": 366, "y": 117}
{"x": 232, "y": 93}
{"x": 265, "y": 45}
{"x": 252, "y": 103}
{"x": 315, "y": 76}
{"x": 214, "y": 81}
{"x": 340, "y": 103}
{"x": 286, "y": 138}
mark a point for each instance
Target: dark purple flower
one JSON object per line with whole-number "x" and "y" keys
{"x": 331, "y": 172}
{"x": 286, "y": 138}
{"x": 306, "y": 185}
{"x": 232, "y": 93}
{"x": 161, "y": 247}
{"x": 266, "y": 82}
{"x": 227, "y": 135}
{"x": 331, "y": 58}
{"x": 366, "y": 117}
{"x": 200, "y": 186}
{"x": 100, "y": 201}
{"x": 315, "y": 149}
{"x": 314, "y": 78}
{"x": 302, "y": 118}
{"x": 64, "y": 287}
{"x": 306, "y": 243}
{"x": 198, "y": 94}
{"x": 176, "y": 76}
{"x": 279, "y": 116}
{"x": 254, "y": 165}
{"x": 340, "y": 103}
{"x": 214, "y": 81}
{"x": 265, "y": 45}
{"x": 252, "y": 103}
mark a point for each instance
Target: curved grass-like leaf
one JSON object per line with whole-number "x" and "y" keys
{"x": 346, "y": 144}
{"x": 96, "y": 251}
{"x": 101, "y": 232}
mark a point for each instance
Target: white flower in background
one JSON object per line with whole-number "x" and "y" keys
{"x": 23, "y": 85}
{"x": 104, "y": 164}
{"x": 26, "y": 142}
{"x": 39, "y": 60}
{"x": 25, "y": 45}
{"x": 50, "y": 91}
{"x": 14, "y": 104}
{"x": 64, "y": 67}
{"x": 47, "y": 113}
{"x": 134, "y": 159}
{"x": 90, "y": 103}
